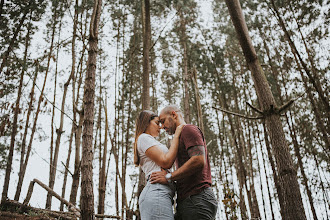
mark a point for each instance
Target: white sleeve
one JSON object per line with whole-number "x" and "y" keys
{"x": 146, "y": 141}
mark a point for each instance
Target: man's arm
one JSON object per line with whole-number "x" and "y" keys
{"x": 193, "y": 165}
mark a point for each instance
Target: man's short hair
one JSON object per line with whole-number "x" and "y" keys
{"x": 168, "y": 109}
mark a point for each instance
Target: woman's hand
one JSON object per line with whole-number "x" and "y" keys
{"x": 178, "y": 130}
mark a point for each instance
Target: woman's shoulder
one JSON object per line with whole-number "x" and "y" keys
{"x": 144, "y": 135}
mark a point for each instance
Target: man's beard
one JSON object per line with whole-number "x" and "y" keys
{"x": 172, "y": 128}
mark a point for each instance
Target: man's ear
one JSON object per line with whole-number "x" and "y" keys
{"x": 175, "y": 115}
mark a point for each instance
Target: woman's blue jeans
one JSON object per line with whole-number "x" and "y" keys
{"x": 155, "y": 202}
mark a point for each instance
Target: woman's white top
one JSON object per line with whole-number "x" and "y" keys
{"x": 144, "y": 142}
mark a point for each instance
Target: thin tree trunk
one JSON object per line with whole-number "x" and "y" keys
{"x": 59, "y": 132}
{"x": 186, "y": 96}
{"x": 77, "y": 161}
{"x": 14, "y": 125}
{"x": 292, "y": 208}
{"x": 21, "y": 177}
{"x": 103, "y": 180}
{"x": 146, "y": 71}
{"x": 127, "y": 148}
{"x": 87, "y": 195}
{"x": 313, "y": 80}
{"x": 146, "y": 47}
{"x": 28, "y": 120}
{"x": 17, "y": 110}
{"x": 66, "y": 168}
{"x": 12, "y": 41}
{"x": 198, "y": 101}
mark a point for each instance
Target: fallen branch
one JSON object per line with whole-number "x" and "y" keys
{"x": 16, "y": 209}
{"x": 108, "y": 216}
{"x": 71, "y": 207}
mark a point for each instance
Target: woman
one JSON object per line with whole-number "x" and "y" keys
{"x": 155, "y": 201}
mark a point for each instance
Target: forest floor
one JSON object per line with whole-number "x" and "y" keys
{"x": 5, "y": 215}
{"x": 11, "y": 210}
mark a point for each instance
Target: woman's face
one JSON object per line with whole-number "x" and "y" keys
{"x": 153, "y": 127}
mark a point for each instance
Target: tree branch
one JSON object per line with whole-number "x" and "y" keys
{"x": 237, "y": 114}
{"x": 254, "y": 108}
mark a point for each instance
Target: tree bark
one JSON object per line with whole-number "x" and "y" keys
{"x": 198, "y": 101}
{"x": 186, "y": 96}
{"x": 14, "y": 130}
{"x": 103, "y": 181}
{"x": 12, "y": 143}
{"x": 27, "y": 123}
{"x": 87, "y": 195}
{"x": 146, "y": 46}
{"x": 60, "y": 131}
{"x": 292, "y": 208}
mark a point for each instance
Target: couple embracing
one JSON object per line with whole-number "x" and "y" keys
{"x": 192, "y": 177}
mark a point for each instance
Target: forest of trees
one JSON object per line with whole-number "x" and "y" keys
{"x": 253, "y": 75}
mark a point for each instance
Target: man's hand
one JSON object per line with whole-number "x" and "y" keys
{"x": 158, "y": 177}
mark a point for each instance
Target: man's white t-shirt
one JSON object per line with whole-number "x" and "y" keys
{"x": 144, "y": 142}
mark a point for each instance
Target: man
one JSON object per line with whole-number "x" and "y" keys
{"x": 195, "y": 198}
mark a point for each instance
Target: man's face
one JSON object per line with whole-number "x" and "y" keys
{"x": 167, "y": 123}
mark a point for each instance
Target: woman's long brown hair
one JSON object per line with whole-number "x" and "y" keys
{"x": 141, "y": 124}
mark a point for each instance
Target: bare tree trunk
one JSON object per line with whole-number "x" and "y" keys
{"x": 127, "y": 149}
{"x": 267, "y": 179}
{"x": 77, "y": 132}
{"x": 87, "y": 195}
{"x": 22, "y": 172}
{"x": 67, "y": 167}
{"x": 21, "y": 177}
{"x": 292, "y": 208}
{"x": 17, "y": 110}
{"x": 77, "y": 161}
{"x": 14, "y": 124}
{"x": 60, "y": 131}
{"x": 103, "y": 180}
{"x": 186, "y": 96}
{"x": 53, "y": 110}
{"x": 146, "y": 47}
{"x": 146, "y": 71}
{"x": 198, "y": 101}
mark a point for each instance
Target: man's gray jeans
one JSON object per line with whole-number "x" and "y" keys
{"x": 202, "y": 206}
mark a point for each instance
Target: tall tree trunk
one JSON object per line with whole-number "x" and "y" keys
{"x": 67, "y": 163}
{"x": 60, "y": 131}
{"x": 14, "y": 124}
{"x": 186, "y": 96}
{"x": 87, "y": 195}
{"x": 292, "y": 208}
{"x": 77, "y": 131}
{"x": 293, "y": 132}
{"x": 146, "y": 47}
{"x": 22, "y": 172}
{"x": 146, "y": 71}
{"x": 102, "y": 184}
{"x": 198, "y": 101}
{"x": 293, "y": 47}
{"x": 13, "y": 40}
{"x": 12, "y": 143}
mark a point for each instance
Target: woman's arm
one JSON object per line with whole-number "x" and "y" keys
{"x": 162, "y": 159}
